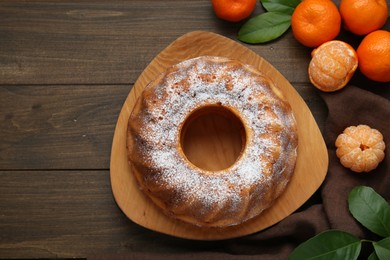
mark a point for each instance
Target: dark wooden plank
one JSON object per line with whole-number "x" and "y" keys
{"x": 58, "y": 127}
{"x": 314, "y": 101}
{"x": 99, "y": 42}
{"x": 71, "y": 127}
{"x": 48, "y": 214}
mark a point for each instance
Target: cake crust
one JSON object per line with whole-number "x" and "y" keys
{"x": 197, "y": 196}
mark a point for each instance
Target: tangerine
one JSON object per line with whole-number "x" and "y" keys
{"x": 332, "y": 66}
{"x": 315, "y": 22}
{"x": 363, "y": 16}
{"x": 374, "y": 56}
{"x": 233, "y": 10}
{"x": 360, "y": 148}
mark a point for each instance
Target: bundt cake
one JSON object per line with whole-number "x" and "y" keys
{"x": 190, "y": 193}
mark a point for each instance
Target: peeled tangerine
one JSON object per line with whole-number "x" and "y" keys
{"x": 332, "y": 66}
{"x": 360, "y": 148}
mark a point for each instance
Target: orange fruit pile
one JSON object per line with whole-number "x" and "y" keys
{"x": 233, "y": 10}
{"x": 315, "y": 22}
{"x": 363, "y": 16}
{"x": 374, "y": 56}
{"x": 332, "y": 66}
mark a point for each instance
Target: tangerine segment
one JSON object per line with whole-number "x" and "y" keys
{"x": 360, "y": 148}
{"x": 315, "y": 22}
{"x": 332, "y": 66}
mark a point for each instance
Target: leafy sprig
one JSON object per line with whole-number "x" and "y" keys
{"x": 269, "y": 25}
{"x": 372, "y": 211}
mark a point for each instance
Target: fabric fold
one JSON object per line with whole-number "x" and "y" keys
{"x": 350, "y": 107}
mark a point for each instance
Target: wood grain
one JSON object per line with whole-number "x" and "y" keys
{"x": 308, "y": 175}
{"x": 97, "y": 42}
{"x": 72, "y": 214}
{"x": 42, "y": 211}
{"x": 58, "y": 127}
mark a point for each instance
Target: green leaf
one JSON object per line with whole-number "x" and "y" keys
{"x": 332, "y": 244}
{"x": 264, "y": 27}
{"x": 370, "y": 209}
{"x": 281, "y": 6}
{"x": 382, "y": 248}
{"x": 373, "y": 256}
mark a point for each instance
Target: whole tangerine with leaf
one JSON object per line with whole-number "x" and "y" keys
{"x": 363, "y": 16}
{"x": 233, "y": 10}
{"x": 315, "y": 22}
{"x": 374, "y": 56}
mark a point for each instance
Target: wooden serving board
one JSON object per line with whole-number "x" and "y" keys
{"x": 312, "y": 161}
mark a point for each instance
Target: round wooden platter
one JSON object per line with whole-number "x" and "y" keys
{"x": 311, "y": 166}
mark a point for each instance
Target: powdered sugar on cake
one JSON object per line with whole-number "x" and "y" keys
{"x": 197, "y": 83}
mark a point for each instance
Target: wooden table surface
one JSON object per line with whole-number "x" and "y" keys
{"x": 65, "y": 70}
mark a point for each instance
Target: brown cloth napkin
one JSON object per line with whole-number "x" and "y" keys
{"x": 327, "y": 209}
{"x": 353, "y": 106}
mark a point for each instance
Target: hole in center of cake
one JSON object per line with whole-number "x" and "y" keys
{"x": 213, "y": 138}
